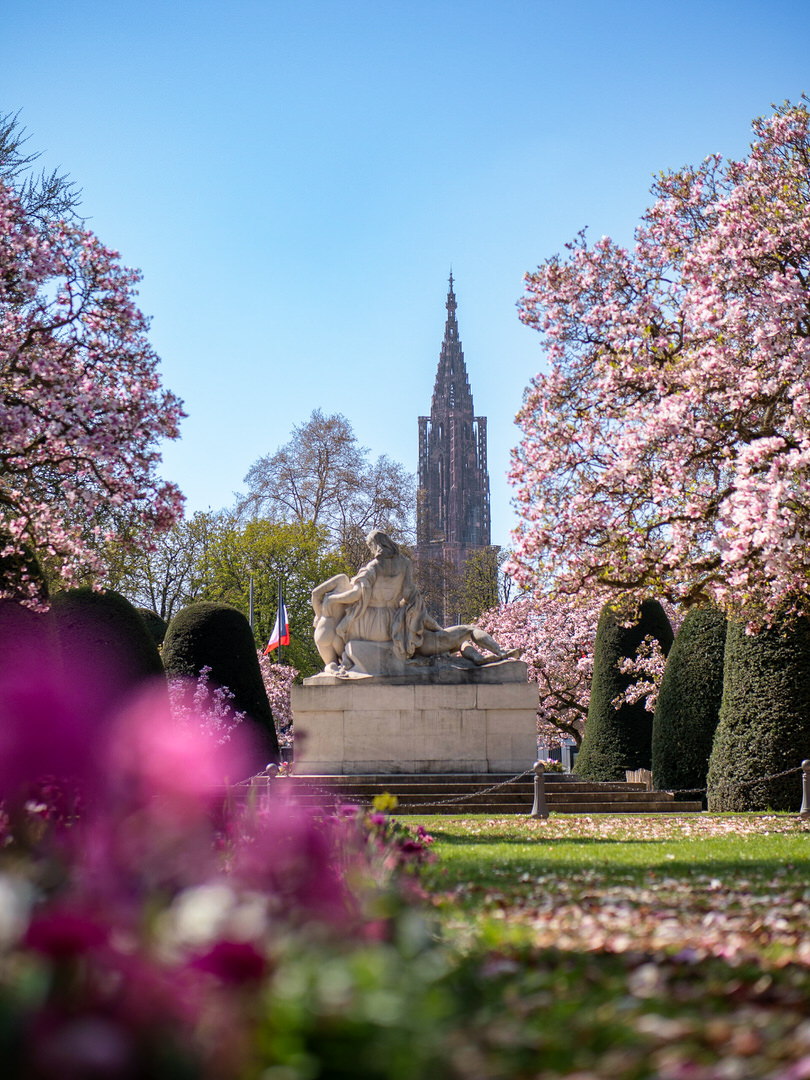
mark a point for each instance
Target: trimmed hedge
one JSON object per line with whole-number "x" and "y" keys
{"x": 156, "y": 626}
{"x": 218, "y": 636}
{"x": 764, "y": 725}
{"x": 620, "y": 738}
{"x": 26, "y": 637}
{"x": 105, "y": 645}
{"x": 688, "y": 705}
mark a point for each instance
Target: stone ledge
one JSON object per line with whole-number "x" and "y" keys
{"x": 433, "y": 674}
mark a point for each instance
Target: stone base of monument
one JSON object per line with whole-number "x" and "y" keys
{"x": 437, "y": 718}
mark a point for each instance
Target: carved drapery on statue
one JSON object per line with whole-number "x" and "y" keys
{"x": 376, "y": 623}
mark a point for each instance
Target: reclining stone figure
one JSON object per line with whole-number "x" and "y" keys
{"x": 377, "y": 622}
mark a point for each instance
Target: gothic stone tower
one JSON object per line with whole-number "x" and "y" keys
{"x": 453, "y": 493}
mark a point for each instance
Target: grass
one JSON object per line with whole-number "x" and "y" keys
{"x": 673, "y": 948}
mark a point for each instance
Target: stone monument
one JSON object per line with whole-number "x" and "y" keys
{"x": 401, "y": 694}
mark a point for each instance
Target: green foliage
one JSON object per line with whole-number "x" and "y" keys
{"x": 173, "y": 573}
{"x": 104, "y": 639}
{"x": 764, "y": 725}
{"x": 297, "y": 553}
{"x": 218, "y": 636}
{"x": 619, "y": 736}
{"x": 479, "y": 590}
{"x": 211, "y": 557}
{"x": 688, "y": 704}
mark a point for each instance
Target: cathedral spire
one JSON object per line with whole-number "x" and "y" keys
{"x": 453, "y": 497}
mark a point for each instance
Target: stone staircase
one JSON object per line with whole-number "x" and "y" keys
{"x": 419, "y": 793}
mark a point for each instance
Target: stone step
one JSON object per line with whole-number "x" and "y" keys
{"x": 441, "y": 794}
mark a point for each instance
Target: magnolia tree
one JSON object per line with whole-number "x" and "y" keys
{"x": 556, "y": 637}
{"x": 278, "y": 680}
{"x": 81, "y": 405}
{"x": 667, "y": 448}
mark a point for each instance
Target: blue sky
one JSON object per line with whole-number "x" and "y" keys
{"x": 295, "y": 180}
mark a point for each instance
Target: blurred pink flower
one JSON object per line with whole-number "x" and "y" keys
{"x": 283, "y": 851}
{"x": 186, "y": 768}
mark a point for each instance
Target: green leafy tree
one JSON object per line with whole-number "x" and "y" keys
{"x": 297, "y": 552}
{"x": 618, "y": 733}
{"x": 764, "y": 726}
{"x": 480, "y": 582}
{"x": 688, "y": 705}
{"x": 174, "y": 573}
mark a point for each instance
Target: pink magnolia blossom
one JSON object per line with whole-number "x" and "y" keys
{"x": 666, "y": 449}
{"x": 82, "y": 410}
{"x": 278, "y": 680}
{"x": 556, "y": 636}
{"x": 202, "y": 702}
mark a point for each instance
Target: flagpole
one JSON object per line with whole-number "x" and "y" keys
{"x": 280, "y": 608}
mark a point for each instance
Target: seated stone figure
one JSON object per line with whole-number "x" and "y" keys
{"x": 377, "y": 621}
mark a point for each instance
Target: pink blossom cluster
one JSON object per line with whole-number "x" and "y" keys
{"x": 82, "y": 410}
{"x": 666, "y": 450}
{"x": 646, "y": 669}
{"x": 278, "y": 680}
{"x": 557, "y": 637}
{"x": 202, "y": 702}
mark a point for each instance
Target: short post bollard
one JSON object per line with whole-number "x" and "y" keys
{"x": 539, "y": 809}
{"x": 805, "y": 810}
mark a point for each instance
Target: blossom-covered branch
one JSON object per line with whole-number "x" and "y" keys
{"x": 82, "y": 409}
{"x": 667, "y": 448}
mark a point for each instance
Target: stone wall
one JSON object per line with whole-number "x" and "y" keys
{"x": 481, "y": 722}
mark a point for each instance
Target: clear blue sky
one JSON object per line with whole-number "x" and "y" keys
{"x": 295, "y": 179}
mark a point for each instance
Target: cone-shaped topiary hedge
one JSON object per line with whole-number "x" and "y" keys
{"x": 156, "y": 626}
{"x": 619, "y": 737}
{"x": 764, "y": 723}
{"x": 218, "y": 636}
{"x": 105, "y": 646}
{"x": 688, "y": 704}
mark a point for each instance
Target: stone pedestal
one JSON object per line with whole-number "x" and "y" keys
{"x": 433, "y": 720}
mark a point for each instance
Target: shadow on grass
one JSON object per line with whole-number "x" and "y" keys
{"x": 456, "y": 840}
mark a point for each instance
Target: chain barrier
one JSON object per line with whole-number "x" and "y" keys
{"x": 742, "y": 784}
{"x": 464, "y": 798}
{"x": 333, "y": 794}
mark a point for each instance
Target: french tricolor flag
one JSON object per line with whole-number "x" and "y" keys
{"x": 281, "y": 631}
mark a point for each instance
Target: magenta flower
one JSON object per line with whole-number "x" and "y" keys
{"x": 282, "y": 850}
{"x": 233, "y": 962}
{"x": 64, "y": 934}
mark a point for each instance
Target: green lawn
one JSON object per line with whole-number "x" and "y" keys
{"x": 674, "y": 948}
